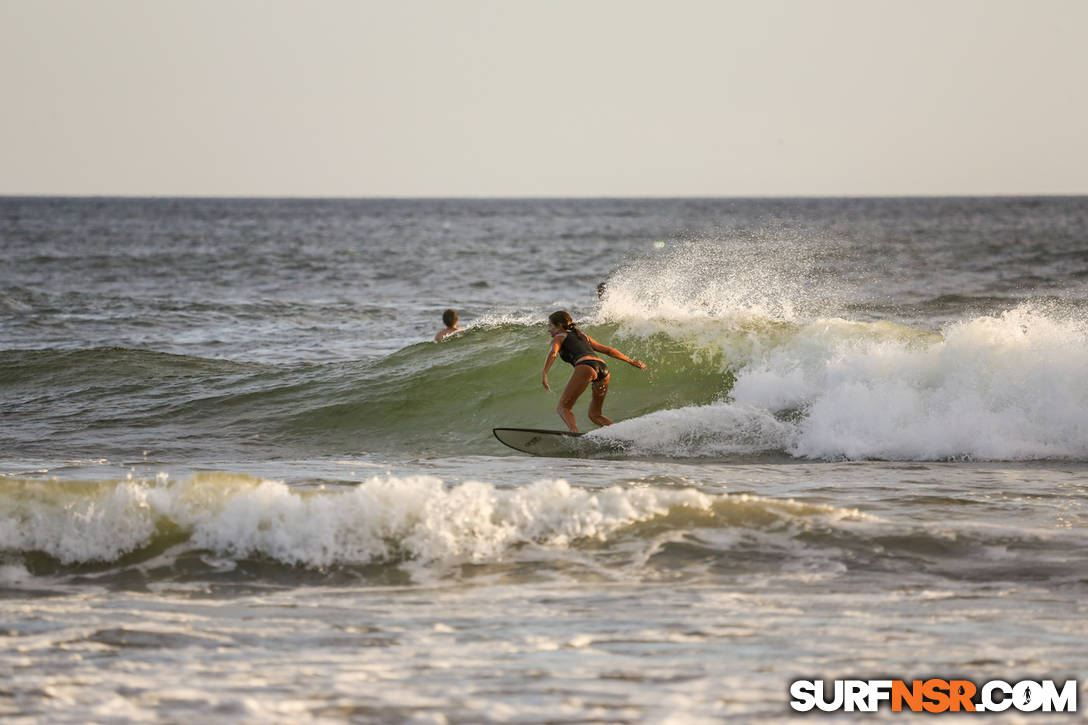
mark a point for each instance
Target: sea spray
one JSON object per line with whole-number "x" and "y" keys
{"x": 772, "y": 277}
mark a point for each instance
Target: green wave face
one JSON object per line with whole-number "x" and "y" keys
{"x": 424, "y": 399}
{"x": 444, "y": 399}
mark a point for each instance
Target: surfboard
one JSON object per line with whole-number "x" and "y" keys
{"x": 555, "y": 443}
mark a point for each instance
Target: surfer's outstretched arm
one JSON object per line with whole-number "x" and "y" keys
{"x": 613, "y": 352}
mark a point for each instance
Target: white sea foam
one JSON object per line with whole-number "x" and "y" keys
{"x": 420, "y": 518}
{"x": 703, "y": 431}
{"x": 1006, "y": 387}
{"x": 386, "y": 519}
{"x": 15, "y": 575}
{"x": 76, "y": 524}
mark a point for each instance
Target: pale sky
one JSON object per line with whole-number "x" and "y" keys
{"x": 544, "y": 98}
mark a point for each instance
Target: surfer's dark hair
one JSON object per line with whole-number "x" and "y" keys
{"x": 562, "y": 320}
{"x": 449, "y": 317}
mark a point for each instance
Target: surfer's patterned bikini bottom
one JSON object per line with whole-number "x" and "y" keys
{"x": 598, "y": 366}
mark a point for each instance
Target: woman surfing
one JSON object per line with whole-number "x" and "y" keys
{"x": 579, "y": 349}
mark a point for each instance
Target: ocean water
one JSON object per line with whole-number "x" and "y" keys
{"x": 240, "y": 483}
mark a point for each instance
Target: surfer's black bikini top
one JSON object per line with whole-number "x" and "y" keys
{"x": 575, "y": 345}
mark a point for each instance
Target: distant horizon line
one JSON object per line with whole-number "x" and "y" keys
{"x": 546, "y": 197}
